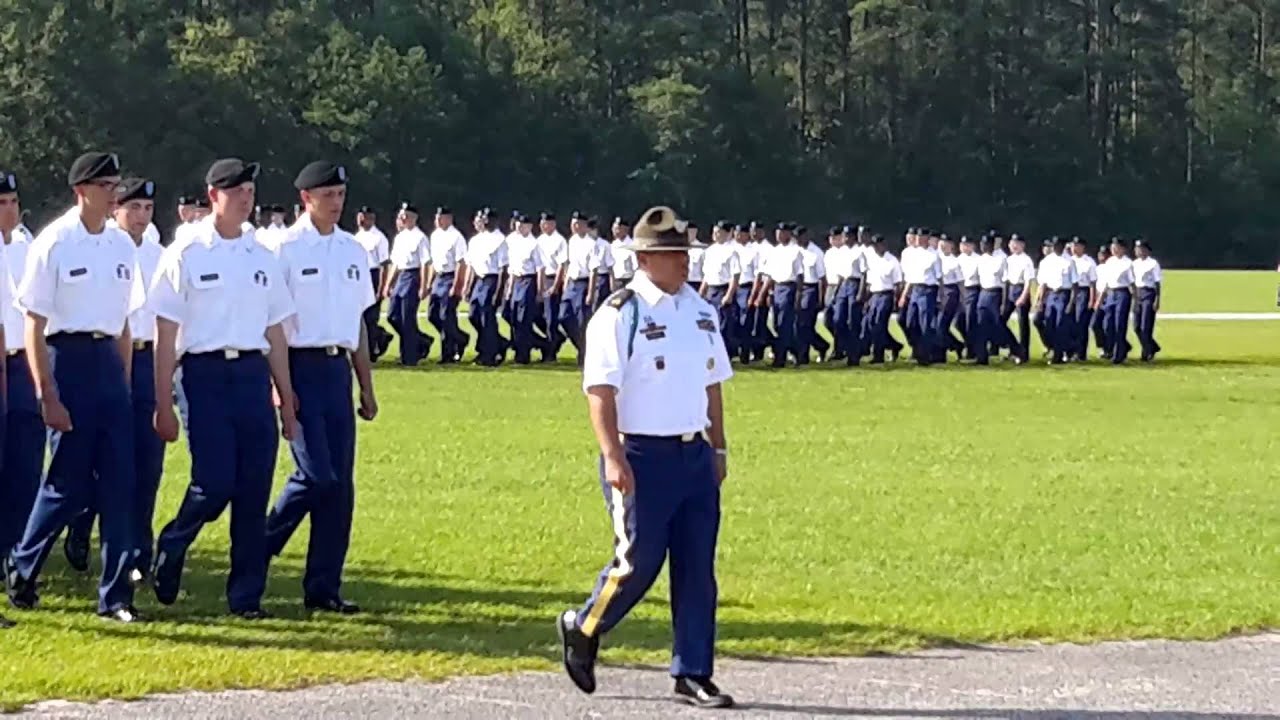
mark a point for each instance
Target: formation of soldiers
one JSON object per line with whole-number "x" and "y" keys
{"x": 949, "y": 297}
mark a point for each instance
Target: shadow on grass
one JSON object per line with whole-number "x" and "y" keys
{"x": 412, "y": 612}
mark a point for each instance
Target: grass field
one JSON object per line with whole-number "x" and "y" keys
{"x": 866, "y": 510}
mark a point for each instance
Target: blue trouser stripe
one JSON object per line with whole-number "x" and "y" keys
{"x": 674, "y": 509}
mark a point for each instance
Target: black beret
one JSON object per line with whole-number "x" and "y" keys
{"x": 943, "y": 237}
{"x": 743, "y": 227}
{"x": 783, "y": 226}
{"x": 848, "y": 230}
{"x": 485, "y": 212}
{"x": 231, "y": 173}
{"x": 691, "y": 226}
{"x": 547, "y": 215}
{"x": 801, "y": 230}
{"x": 320, "y": 174}
{"x": 1077, "y": 240}
{"x": 367, "y": 210}
{"x": 966, "y": 240}
{"x": 407, "y": 206}
{"x": 1119, "y": 241}
{"x": 724, "y": 225}
{"x": 622, "y": 221}
{"x": 911, "y": 231}
{"x": 8, "y": 182}
{"x": 1140, "y": 243}
{"x": 135, "y": 189}
{"x": 755, "y": 225}
{"x": 877, "y": 239}
{"x": 836, "y": 230}
{"x": 202, "y": 203}
{"x": 277, "y": 209}
{"x": 443, "y": 210}
{"x": 592, "y": 222}
{"x": 1015, "y": 238}
{"x": 578, "y": 215}
{"x": 91, "y": 166}
{"x": 516, "y": 214}
{"x": 185, "y": 199}
{"x": 525, "y": 219}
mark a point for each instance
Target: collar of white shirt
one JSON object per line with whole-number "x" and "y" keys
{"x": 206, "y": 234}
{"x": 652, "y": 294}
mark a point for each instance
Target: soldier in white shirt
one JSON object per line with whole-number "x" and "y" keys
{"x": 653, "y": 374}
{"x": 445, "y": 284}
{"x": 577, "y": 281}
{"x": 720, "y": 276}
{"x": 271, "y": 232}
{"x": 1056, "y": 278}
{"x": 325, "y": 270}
{"x": 378, "y": 247}
{"x": 1082, "y": 299}
{"x": 78, "y": 288}
{"x": 1020, "y": 273}
{"x": 135, "y": 206}
{"x": 950, "y": 293}
{"x": 1099, "y": 314}
{"x": 524, "y": 287}
{"x": 554, "y": 250}
{"x": 624, "y": 260}
{"x": 921, "y": 275}
{"x": 23, "y": 429}
{"x": 991, "y": 283}
{"x": 1037, "y": 316}
{"x": 402, "y": 286}
{"x": 751, "y": 326}
{"x": 602, "y": 262}
{"x": 221, "y": 302}
{"x": 486, "y": 259}
{"x": 780, "y": 270}
{"x": 812, "y": 290}
{"x": 970, "y": 289}
{"x": 1147, "y": 278}
{"x": 696, "y": 248}
{"x": 1117, "y": 278}
{"x": 884, "y": 279}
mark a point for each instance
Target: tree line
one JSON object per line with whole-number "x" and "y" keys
{"x": 1069, "y": 117}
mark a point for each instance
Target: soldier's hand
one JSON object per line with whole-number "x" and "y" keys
{"x": 368, "y": 405}
{"x": 617, "y": 472}
{"x": 288, "y": 422}
{"x": 55, "y": 413}
{"x": 423, "y": 293}
{"x": 727, "y": 301}
{"x": 722, "y": 469}
{"x": 166, "y": 422}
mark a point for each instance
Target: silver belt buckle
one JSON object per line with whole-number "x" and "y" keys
{"x": 689, "y": 437}
{"x": 331, "y": 350}
{"x": 99, "y": 336}
{"x": 230, "y": 354}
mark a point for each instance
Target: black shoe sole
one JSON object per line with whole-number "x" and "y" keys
{"x": 719, "y": 703}
{"x": 564, "y": 660}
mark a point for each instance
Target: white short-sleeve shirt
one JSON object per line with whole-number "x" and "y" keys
{"x": 1020, "y": 269}
{"x": 720, "y": 264}
{"x": 578, "y": 252}
{"x": 695, "y": 264}
{"x": 813, "y": 266}
{"x": 624, "y": 259}
{"x": 222, "y": 293}
{"x": 487, "y": 253}
{"x": 662, "y": 370}
{"x": 523, "y": 254}
{"x": 1056, "y": 272}
{"x": 142, "y": 322}
{"x": 375, "y": 244}
{"x": 1119, "y": 273}
{"x": 81, "y": 282}
{"x": 782, "y": 263}
{"x": 920, "y": 266}
{"x": 884, "y": 272}
{"x": 409, "y": 249}
{"x": 991, "y": 271}
{"x": 601, "y": 257}
{"x": 448, "y": 249}
{"x": 328, "y": 279}
{"x": 1086, "y": 270}
{"x": 749, "y": 257}
{"x": 555, "y": 252}
{"x": 1146, "y": 272}
{"x": 15, "y": 260}
{"x": 968, "y": 269}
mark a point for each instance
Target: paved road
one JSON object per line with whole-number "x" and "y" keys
{"x": 1237, "y": 678}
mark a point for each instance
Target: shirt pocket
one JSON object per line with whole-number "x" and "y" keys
{"x": 207, "y": 277}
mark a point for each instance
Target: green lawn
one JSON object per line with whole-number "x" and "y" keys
{"x": 1188, "y": 291}
{"x": 871, "y": 509}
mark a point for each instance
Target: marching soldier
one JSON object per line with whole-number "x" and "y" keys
{"x": 1147, "y": 279}
{"x": 78, "y": 288}
{"x": 221, "y": 303}
{"x": 375, "y": 243}
{"x": 402, "y": 287}
{"x": 486, "y": 258}
{"x": 1056, "y": 278}
{"x": 324, "y": 270}
{"x": 444, "y": 285}
{"x": 524, "y": 287}
{"x": 624, "y": 260}
{"x": 653, "y": 373}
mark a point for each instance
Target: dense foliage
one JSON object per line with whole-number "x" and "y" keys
{"x": 1086, "y": 117}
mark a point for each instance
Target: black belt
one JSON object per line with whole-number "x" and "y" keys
{"x": 495, "y": 276}
{"x": 717, "y": 287}
{"x": 327, "y": 351}
{"x": 789, "y": 283}
{"x": 81, "y": 336}
{"x": 971, "y": 287}
{"x": 141, "y": 345}
{"x": 883, "y": 292}
{"x": 227, "y": 354}
{"x": 15, "y": 353}
{"x": 578, "y": 280}
{"x": 445, "y": 274}
{"x": 1060, "y": 290}
{"x": 995, "y": 289}
{"x": 951, "y": 285}
{"x": 685, "y": 439}
{"x": 925, "y": 285}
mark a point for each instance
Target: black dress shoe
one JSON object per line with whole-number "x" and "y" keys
{"x": 701, "y": 693}
{"x": 22, "y": 592}
{"x": 166, "y": 577}
{"x": 76, "y": 548}
{"x": 252, "y": 614}
{"x": 333, "y": 605}
{"x": 123, "y": 614}
{"x": 578, "y": 652}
